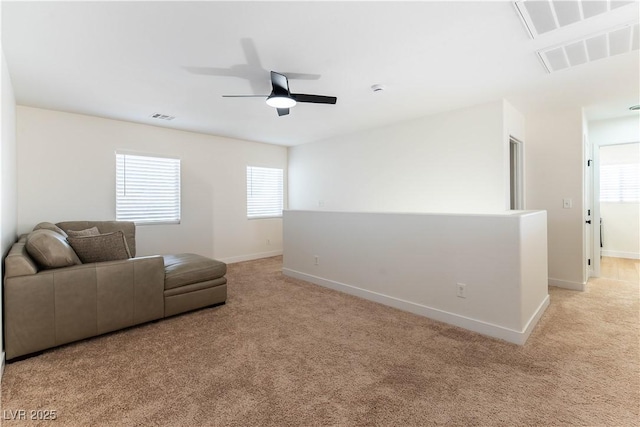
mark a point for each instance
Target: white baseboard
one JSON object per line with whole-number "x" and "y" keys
{"x": 495, "y": 331}
{"x": 533, "y": 321}
{"x": 576, "y": 286}
{"x": 250, "y": 257}
{"x": 620, "y": 254}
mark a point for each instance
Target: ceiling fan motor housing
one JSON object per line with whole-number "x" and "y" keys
{"x": 282, "y": 99}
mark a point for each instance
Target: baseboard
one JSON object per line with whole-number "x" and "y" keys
{"x": 1, "y": 365}
{"x": 576, "y": 286}
{"x": 489, "y": 329}
{"x": 250, "y": 257}
{"x": 620, "y": 254}
{"x": 535, "y": 318}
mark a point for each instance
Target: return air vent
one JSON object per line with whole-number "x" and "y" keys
{"x": 160, "y": 116}
{"x": 542, "y": 16}
{"x": 602, "y": 45}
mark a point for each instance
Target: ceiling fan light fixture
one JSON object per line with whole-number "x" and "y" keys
{"x": 280, "y": 101}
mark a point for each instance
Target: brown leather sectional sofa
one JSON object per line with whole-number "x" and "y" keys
{"x": 48, "y": 307}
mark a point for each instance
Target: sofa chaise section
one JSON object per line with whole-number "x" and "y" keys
{"x": 47, "y": 307}
{"x": 192, "y": 281}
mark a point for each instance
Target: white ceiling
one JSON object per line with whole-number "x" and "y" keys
{"x": 128, "y": 60}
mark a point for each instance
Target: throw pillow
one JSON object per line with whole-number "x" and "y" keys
{"x": 50, "y": 249}
{"x": 103, "y": 247}
{"x": 93, "y": 231}
{"x": 50, "y": 226}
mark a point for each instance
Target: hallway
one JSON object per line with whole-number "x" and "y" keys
{"x": 620, "y": 269}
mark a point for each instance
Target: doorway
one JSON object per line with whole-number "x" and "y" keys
{"x": 617, "y": 209}
{"x": 516, "y": 199}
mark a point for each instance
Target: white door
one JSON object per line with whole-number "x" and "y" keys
{"x": 588, "y": 206}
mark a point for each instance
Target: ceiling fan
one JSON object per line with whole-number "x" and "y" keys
{"x": 282, "y": 99}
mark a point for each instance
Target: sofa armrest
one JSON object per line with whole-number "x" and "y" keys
{"x": 62, "y": 305}
{"x": 29, "y": 314}
{"x": 18, "y": 262}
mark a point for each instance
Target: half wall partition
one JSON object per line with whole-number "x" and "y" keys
{"x": 483, "y": 272}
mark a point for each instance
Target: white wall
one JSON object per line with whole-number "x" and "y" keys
{"x": 621, "y": 230}
{"x": 449, "y": 162}
{"x": 66, "y": 171}
{"x": 554, "y": 171}
{"x": 8, "y": 179}
{"x": 414, "y": 262}
{"x": 621, "y": 221}
{"x": 620, "y": 130}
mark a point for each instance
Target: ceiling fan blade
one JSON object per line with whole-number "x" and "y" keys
{"x": 280, "y": 84}
{"x": 283, "y": 111}
{"x": 244, "y": 96}
{"x": 315, "y": 99}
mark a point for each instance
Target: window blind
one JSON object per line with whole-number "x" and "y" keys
{"x": 265, "y": 194}
{"x": 620, "y": 183}
{"x": 147, "y": 189}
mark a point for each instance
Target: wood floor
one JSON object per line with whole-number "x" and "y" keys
{"x": 620, "y": 269}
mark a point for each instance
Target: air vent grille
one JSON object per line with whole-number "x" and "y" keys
{"x": 602, "y": 45}
{"x": 160, "y": 116}
{"x": 542, "y": 16}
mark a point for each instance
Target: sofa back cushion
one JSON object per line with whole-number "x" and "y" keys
{"x": 127, "y": 227}
{"x": 50, "y": 249}
{"x": 93, "y": 231}
{"x": 50, "y": 226}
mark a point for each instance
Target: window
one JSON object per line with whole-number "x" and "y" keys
{"x": 265, "y": 193}
{"x": 620, "y": 183}
{"x": 147, "y": 189}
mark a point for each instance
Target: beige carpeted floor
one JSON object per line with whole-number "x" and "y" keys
{"x": 283, "y": 352}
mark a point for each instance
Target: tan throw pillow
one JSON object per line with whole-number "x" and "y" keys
{"x": 93, "y": 231}
{"x": 50, "y": 249}
{"x": 50, "y": 226}
{"x": 103, "y": 247}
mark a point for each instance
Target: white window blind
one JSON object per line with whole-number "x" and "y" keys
{"x": 147, "y": 189}
{"x": 620, "y": 183}
{"x": 265, "y": 194}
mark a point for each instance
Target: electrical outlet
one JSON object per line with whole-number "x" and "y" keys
{"x": 462, "y": 290}
{"x": 268, "y": 242}
{"x": 316, "y": 260}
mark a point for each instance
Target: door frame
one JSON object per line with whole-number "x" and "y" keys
{"x": 591, "y": 217}
{"x": 519, "y": 174}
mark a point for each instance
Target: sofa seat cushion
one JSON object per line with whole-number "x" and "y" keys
{"x": 185, "y": 269}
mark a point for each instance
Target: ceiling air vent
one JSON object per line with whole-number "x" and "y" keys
{"x": 160, "y": 116}
{"x": 542, "y": 16}
{"x": 591, "y": 48}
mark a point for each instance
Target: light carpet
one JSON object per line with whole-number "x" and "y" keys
{"x": 283, "y": 352}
